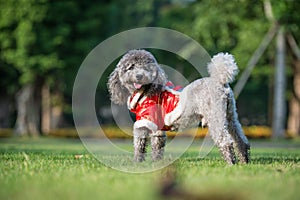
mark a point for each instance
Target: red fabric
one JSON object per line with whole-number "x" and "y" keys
{"x": 154, "y": 108}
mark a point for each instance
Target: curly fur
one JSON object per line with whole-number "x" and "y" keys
{"x": 209, "y": 100}
{"x": 222, "y": 68}
{"x": 135, "y": 62}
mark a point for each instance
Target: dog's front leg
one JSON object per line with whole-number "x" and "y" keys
{"x": 158, "y": 142}
{"x": 140, "y": 136}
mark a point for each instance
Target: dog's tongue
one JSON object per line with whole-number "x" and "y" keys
{"x": 137, "y": 86}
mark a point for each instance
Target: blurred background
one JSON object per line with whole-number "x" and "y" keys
{"x": 43, "y": 43}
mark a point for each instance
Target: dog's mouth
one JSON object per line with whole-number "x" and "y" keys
{"x": 137, "y": 86}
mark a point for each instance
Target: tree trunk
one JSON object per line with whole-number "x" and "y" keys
{"x": 46, "y": 109}
{"x": 57, "y": 110}
{"x": 294, "y": 104}
{"x": 278, "y": 124}
{"x": 5, "y": 111}
{"x": 27, "y": 104}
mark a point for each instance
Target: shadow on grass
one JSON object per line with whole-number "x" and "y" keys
{"x": 270, "y": 160}
{"x": 257, "y": 157}
{"x": 256, "y": 160}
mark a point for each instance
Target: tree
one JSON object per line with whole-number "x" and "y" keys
{"x": 285, "y": 14}
{"x": 279, "y": 114}
{"x": 42, "y": 44}
{"x": 30, "y": 43}
{"x": 18, "y": 40}
{"x": 45, "y": 42}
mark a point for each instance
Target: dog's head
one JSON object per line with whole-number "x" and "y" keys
{"x": 135, "y": 70}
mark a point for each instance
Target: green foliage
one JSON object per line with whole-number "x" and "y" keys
{"x": 48, "y": 40}
{"x": 286, "y": 12}
{"x": 19, "y": 39}
{"x": 41, "y": 168}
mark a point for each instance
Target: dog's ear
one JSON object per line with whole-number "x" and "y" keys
{"x": 118, "y": 93}
{"x": 162, "y": 78}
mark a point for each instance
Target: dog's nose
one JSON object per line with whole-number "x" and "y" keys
{"x": 139, "y": 77}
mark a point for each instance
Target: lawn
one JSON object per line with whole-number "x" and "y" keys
{"x": 50, "y": 168}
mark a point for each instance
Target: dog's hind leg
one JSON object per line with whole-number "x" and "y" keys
{"x": 242, "y": 144}
{"x": 158, "y": 142}
{"x": 225, "y": 145}
{"x": 235, "y": 129}
{"x": 218, "y": 129}
{"x": 223, "y": 140}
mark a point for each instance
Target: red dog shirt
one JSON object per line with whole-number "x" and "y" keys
{"x": 151, "y": 110}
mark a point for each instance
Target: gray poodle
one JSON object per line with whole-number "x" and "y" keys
{"x": 139, "y": 81}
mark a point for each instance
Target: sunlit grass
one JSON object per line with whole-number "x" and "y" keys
{"x": 49, "y": 168}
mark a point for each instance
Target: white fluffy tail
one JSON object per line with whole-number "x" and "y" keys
{"x": 223, "y": 68}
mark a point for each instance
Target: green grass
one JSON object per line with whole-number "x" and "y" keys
{"x": 47, "y": 168}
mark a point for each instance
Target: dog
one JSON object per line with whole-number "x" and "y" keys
{"x": 139, "y": 81}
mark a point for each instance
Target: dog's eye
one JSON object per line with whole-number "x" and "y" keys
{"x": 130, "y": 67}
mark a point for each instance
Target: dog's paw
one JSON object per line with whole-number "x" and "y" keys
{"x": 139, "y": 158}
